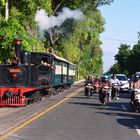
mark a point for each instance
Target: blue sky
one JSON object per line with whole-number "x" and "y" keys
{"x": 122, "y": 24}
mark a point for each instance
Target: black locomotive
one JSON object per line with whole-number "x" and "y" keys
{"x": 37, "y": 74}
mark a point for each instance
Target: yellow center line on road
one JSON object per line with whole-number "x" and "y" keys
{"x": 33, "y": 118}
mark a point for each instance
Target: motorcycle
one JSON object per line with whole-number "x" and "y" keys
{"x": 89, "y": 90}
{"x": 104, "y": 95}
{"x": 114, "y": 91}
{"x": 135, "y": 104}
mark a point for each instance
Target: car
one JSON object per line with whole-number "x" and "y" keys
{"x": 124, "y": 83}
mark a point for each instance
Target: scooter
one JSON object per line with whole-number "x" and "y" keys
{"x": 89, "y": 90}
{"x": 114, "y": 91}
{"x": 104, "y": 95}
{"x": 135, "y": 104}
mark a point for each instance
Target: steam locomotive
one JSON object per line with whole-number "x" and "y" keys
{"x": 38, "y": 74}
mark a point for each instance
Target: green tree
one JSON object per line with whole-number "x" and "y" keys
{"x": 75, "y": 40}
{"x": 81, "y": 44}
{"x": 122, "y": 57}
{"x": 134, "y": 58}
{"x": 9, "y": 30}
{"x": 127, "y": 59}
{"x": 58, "y": 4}
{"x": 115, "y": 68}
{"x": 2, "y": 3}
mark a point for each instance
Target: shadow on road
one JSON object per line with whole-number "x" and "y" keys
{"x": 85, "y": 97}
{"x": 120, "y": 110}
{"x": 125, "y": 95}
{"x": 128, "y": 119}
{"x": 85, "y": 103}
{"x": 123, "y": 117}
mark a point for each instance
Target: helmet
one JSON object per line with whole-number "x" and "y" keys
{"x": 104, "y": 79}
{"x": 136, "y": 77}
{"x": 90, "y": 76}
{"x": 113, "y": 76}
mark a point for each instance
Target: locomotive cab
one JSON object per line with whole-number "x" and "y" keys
{"x": 34, "y": 74}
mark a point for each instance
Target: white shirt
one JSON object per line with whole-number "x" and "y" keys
{"x": 115, "y": 81}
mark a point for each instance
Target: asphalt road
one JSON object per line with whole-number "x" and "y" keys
{"x": 79, "y": 118}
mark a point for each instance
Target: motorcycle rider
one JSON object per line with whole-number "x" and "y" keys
{"x": 136, "y": 82}
{"x": 135, "y": 85}
{"x": 104, "y": 82}
{"x": 115, "y": 85}
{"x": 89, "y": 80}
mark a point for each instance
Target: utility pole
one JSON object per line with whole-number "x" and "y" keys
{"x": 7, "y": 9}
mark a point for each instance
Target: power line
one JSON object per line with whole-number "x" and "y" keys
{"x": 106, "y": 38}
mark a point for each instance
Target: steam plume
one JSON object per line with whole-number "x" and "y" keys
{"x": 46, "y": 22}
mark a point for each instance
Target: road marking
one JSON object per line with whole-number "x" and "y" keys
{"x": 124, "y": 108}
{"x": 36, "y": 116}
{"x": 137, "y": 129}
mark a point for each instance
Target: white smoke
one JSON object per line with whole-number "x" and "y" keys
{"x": 46, "y": 22}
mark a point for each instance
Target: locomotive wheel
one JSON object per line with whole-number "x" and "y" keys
{"x": 48, "y": 94}
{"x": 62, "y": 89}
{"x": 57, "y": 90}
{"x": 45, "y": 93}
{"x": 54, "y": 91}
{"x": 26, "y": 102}
{"x": 36, "y": 96}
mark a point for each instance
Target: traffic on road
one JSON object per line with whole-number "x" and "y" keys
{"x": 73, "y": 116}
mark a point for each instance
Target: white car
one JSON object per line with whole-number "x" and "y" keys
{"x": 124, "y": 83}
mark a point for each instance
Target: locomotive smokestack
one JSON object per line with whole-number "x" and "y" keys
{"x": 17, "y": 44}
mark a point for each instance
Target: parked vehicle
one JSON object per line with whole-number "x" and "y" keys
{"x": 37, "y": 75}
{"x": 124, "y": 83}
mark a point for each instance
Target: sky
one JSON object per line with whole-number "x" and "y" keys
{"x": 122, "y": 24}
